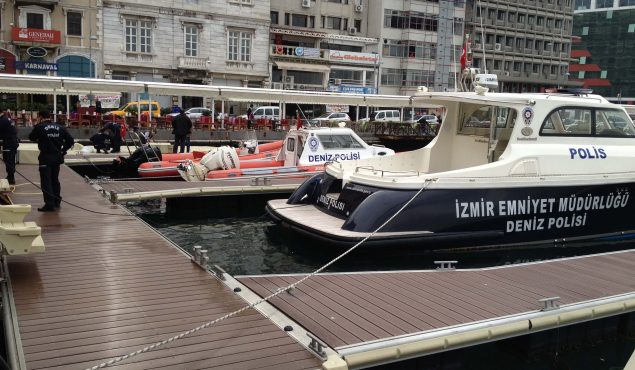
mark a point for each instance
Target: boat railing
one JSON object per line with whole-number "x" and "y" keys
{"x": 384, "y": 173}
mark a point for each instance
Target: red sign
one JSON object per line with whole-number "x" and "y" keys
{"x": 36, "y": 35}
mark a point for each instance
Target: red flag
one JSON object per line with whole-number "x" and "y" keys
{"x": 299, "y": 124}
{"x": 464, "y": 56}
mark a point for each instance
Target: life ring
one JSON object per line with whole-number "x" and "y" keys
{"x": 279, "y": 49}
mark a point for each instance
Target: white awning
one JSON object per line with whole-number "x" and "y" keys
{"x": 97, "y": 86}
{"x": 303, "y": 67}
{"x": 163, "y": 88}
{"x": 24, "y": 84}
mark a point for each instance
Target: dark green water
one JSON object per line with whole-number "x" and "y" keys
{"x": 255, "y": 245}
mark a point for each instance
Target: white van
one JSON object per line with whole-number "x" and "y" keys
{"x": 385, "y": 116}
{"x": 271, "y": 112}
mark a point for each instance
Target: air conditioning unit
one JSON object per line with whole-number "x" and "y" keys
{"x": 352, "y": 30}
{"x": 288, "y": 80}
{"x": 338, "y": 81}
{"x": 277, "y": 85}
{"x": 498, "y": 47}
{"x": 301, "y": 87}
{"x": 359, "y": 8}
{"x": 306, "y": 3}
{"x": 506, "y": 73}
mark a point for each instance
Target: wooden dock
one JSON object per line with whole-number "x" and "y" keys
{"x": 108, "y": 285}
{"x": 377, "y": 317}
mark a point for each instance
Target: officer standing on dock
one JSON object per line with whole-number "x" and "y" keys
{"x": 10, "y": 143}
{"x": 181, "y": 127}
{"x": 53, "y": 141}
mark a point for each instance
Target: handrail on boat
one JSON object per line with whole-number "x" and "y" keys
{"x": 384, "y": 172}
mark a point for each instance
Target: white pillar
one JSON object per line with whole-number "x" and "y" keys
{"x": 222, "y": 111}
{"x": 54, "y": 107}
{"x": 213, "y": 114}
{"x": 68, "y": 107}
{"x": 357, "y": 113}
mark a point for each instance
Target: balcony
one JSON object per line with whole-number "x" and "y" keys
{"x": 192, "y": 63}
{"x": 298, "y": 52}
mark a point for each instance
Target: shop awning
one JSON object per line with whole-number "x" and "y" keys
{"x": 303, "y": 67}
{"x": 22, "y": 84}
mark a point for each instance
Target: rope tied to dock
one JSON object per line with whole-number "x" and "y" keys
{"x": 280, "y": 290}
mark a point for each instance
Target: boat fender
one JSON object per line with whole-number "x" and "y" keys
{"x": 307, "y": 192}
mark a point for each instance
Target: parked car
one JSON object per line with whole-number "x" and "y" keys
{"x": 271, "y": 112}
{"x": 194, "y": 113}
{"x": 427, "y": 118}
{"x": 328, "y": 118}
{"x": 390, "y": 115}
{"x": 133, "y": 106}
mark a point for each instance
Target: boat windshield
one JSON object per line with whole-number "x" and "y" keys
{"x": 325, "y": 115}
{"x": 339, "y": 141}
{"x": 586, "y": 121}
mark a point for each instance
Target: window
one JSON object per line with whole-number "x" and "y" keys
{"x": 299, "y": 20}
{"x": 274, "y": 17}
{"x": 35, "y": 20}
{"x": 585, "y": 31}
{"x": 603, "y": 4}
{"x": 511, "y": 17}
{"x": 334, "y": 23}
{"x": 73, "y": 23}
{"x": 521, "y": 18}
{"x": 627, "y": 2}
{"x": 357, "y": 23}
{"x": 239, "y": 45}
{"x": 339, "y": 142}
{"x": 290, "y": 144}
{"x": 580, "y": 121}
{"x": 75, "y": 66}
{"x": 631, "y": 28}
{"x": 138, "y": 35}
{"x": 191, "y": 40}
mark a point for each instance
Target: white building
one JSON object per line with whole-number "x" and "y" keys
{"x": 219, "y": 42}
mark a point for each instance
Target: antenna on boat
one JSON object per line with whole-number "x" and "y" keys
{"x": 480, "y": 10}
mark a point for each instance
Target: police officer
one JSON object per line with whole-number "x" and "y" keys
{"x": 53, "y": 141}
{"x": 10, "y": 143}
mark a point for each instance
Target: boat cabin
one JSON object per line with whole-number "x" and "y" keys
{"x": 511, "y": 134}
{"x": 314, "y": 146}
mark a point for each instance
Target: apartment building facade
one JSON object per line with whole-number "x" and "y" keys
{"x": 49, "y": 37}
{"x": 189, "y": 41}
{"x": 322, "y": 45}
{"x": 604, "y": 48}
{"x": 526, "y": 43}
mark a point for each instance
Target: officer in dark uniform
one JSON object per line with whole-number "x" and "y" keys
{"x": 53, "y": 141}
{"x": 10, "y": 143}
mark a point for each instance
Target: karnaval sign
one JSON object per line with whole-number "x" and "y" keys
{"x": 35, "y": 35}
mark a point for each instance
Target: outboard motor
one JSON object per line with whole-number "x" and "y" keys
{"x": 127, "y": 167}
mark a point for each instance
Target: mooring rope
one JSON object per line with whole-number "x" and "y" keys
{"x": 265, "y": 299}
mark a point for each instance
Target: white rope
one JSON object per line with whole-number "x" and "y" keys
{"x": 265, "y": 299}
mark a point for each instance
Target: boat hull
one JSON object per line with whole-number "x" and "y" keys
{"x": 468, "y": 217}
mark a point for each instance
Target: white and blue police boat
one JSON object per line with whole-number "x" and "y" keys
{"x": 505, "y": 169}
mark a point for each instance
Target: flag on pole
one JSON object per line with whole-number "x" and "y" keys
{"x": 299, "y": 123}
{"x": 464, "y": 56}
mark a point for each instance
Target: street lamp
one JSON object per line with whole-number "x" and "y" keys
{"x": 375, "y": 71}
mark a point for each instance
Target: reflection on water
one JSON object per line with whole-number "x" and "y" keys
{"x": 256, "y": 245}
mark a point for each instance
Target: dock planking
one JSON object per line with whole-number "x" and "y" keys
{"x": 108, "y": 285}
{"x": 355, "y": 313}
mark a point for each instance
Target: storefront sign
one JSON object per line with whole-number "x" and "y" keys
{"x": 353, "y": 89}
{"x": 36, "y": 66}
{"x": 36, "y": 35}
{"x": 3, "y": 64}
{"x": 353, "y": 57}
{"x": 107, "y": 101}
{"x": 36, "y": 51}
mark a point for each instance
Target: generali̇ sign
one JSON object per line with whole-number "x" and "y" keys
{"x": 352, "y": 57}
{"x": 35, "y": 35}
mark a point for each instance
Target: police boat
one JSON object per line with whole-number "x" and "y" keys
{"x": 304, "y": 151}
{"x": 504, "y": 170}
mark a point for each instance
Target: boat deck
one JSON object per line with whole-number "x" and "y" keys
{"x": 108, "y": 285}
